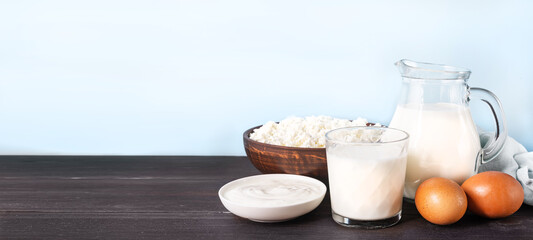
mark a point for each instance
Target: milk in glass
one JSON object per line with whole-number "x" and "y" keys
{"x": 366, "y": 171}
{"x": 364, "y": 187}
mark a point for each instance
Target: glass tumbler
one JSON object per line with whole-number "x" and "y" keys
{"x": 366, "y": 168}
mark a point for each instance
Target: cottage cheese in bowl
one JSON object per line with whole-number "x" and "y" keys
{"x": 308, "y": 132}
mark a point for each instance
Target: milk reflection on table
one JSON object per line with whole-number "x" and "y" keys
{"x": 366, "y": 179}
{"x": 443, "y": 142}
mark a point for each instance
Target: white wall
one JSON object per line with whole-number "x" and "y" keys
{"x": 188, "y": 77}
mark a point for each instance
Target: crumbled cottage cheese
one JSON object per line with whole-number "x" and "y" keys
{"x": 302, "y": 132}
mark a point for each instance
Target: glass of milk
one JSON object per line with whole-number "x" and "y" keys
{"x": 366, "y": 168}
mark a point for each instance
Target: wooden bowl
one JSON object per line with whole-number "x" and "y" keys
{"x": 269, "y": 158}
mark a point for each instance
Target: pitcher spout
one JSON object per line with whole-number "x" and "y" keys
{"x": 431, "y": 71}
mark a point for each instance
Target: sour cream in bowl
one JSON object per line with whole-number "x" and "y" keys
{"x": 272, "y": 197}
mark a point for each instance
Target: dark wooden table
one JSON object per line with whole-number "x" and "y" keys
{"x": 123, "y": 197}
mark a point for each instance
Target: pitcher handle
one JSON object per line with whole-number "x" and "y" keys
{"x": 494, "y": 145}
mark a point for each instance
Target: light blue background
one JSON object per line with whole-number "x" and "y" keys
{"x": 189, "y": 77}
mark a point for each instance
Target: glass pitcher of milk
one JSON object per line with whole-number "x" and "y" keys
{"x": 434, "y": 110}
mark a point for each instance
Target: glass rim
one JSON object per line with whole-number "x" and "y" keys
{"x": 404, "y": 138}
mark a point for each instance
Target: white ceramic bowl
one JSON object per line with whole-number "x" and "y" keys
{"x": 272, "y": 197}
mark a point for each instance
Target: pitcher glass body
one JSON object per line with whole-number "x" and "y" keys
{"x": 434, "y": 110}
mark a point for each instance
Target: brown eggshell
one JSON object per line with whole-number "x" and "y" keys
{"x": 440, "y": 201}
{"x": 493, "y": 194}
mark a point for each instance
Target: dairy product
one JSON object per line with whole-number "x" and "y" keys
{"x": 366, "y": 174}
{"x": 302, "y": 132}
{"x": 443, "y": 142}
{"x": 364, "y": 187}
{"x": 273, "y": 191}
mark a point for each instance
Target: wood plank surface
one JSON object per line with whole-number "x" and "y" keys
{"x": 175, "y": 197}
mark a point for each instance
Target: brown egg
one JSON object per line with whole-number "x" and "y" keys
{"x": 440, "y": 201}
{"x": 493, "y": 194}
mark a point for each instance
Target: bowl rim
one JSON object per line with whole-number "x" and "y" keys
{"x": 322, "y": 187}
{"x": 246, "y": 137}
